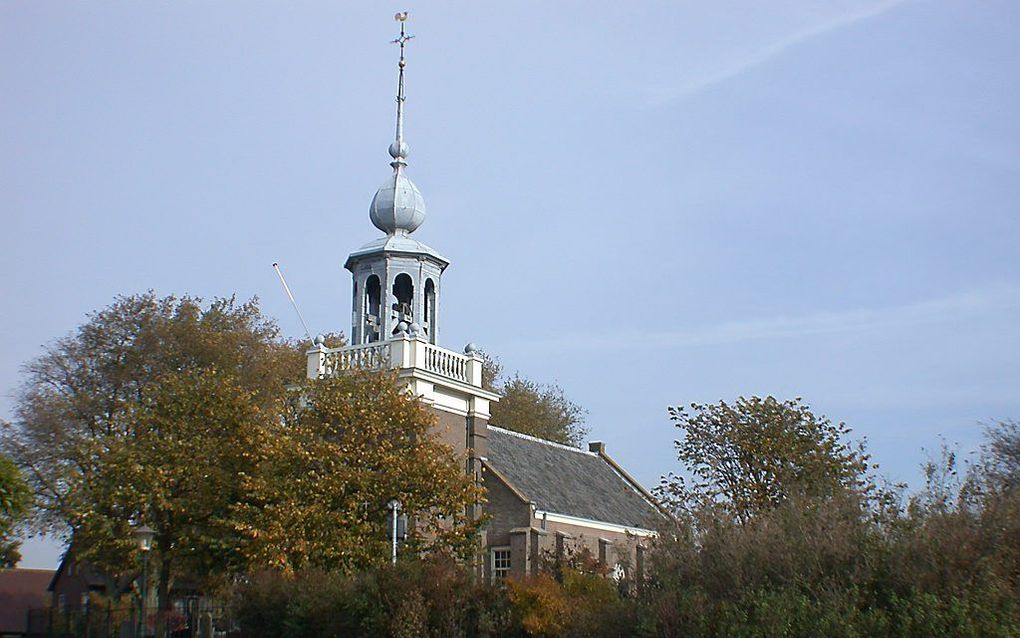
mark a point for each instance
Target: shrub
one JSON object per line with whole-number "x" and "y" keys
{"x": 435, "y": 597}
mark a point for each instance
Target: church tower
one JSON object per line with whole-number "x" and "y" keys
{"x": 541, "y": 495}
{"x": 396, "y": 278}
{"x": 395, "y": 311}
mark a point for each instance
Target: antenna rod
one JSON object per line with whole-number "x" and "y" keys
{"x": 276, "y": 267}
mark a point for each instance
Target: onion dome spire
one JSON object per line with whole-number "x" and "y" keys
{"x": 398, "y": 207}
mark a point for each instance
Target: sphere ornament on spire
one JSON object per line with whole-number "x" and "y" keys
{"x": 398, "y": 207}
{"x": 398, "y": 150}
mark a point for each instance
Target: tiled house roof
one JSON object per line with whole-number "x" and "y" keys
{"x": 21, "y": 589}
{"x": 565, "y": 480}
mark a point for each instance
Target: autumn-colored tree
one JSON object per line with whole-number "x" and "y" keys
{"x": 15, "y": 499}
{"x": 754, "y": 454}
{"x": 349, "y": 446}
{"x": 145, "y": 415}
{"x": 541, "y": 410}
{"x": 492, "y": 371}
{"x": 575, "y": 604}
{"x": 195, "y": 419}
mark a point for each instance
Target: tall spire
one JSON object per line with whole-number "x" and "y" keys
{"x": 398, "y": 207}
{"x": 398, "y": 150}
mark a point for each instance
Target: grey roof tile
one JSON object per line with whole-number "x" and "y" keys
{"x": 566, "y": 480}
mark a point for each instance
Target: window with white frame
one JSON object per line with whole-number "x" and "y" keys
{"x": 500, "y": 563}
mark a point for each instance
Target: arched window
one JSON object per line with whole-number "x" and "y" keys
{"x": 430, "y": 309}
{"x": 403, "y": 290}
{"x": 373, "y": 301}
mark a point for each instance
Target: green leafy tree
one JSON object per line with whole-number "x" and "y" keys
{"x": 15, "y": 499}
{"x": 782, "y": 533}
{"x": 754, "y": 454}
{"x": 349, "y": 446}
{"x": 541, "y": 410}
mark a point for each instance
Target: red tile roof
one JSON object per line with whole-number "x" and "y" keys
{"x": 19, "y": 590}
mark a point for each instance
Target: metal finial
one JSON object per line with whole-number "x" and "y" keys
{"x": 398, "y": 150}
{"x": 398, "y": 207}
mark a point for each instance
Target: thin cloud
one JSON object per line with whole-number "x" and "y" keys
{"x": 771, "y": 51}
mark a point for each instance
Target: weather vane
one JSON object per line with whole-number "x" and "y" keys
{"x": 398, "y": 150}
{"x": 402, "y": 18}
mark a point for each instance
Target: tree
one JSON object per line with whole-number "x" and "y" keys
{"x": 1000, "y": 458}
{"x": 148, "y": 414}
{"x": 752, "y": 455}
{"x": 196, "y": 419}
{"x": 352, "y": 444}
{"x": 541, "y": 410}
{"x": 15, "y": 499}
{"x": 492, "y": 371}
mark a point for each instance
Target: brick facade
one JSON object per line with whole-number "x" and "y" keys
{"x": 536, "y": 537}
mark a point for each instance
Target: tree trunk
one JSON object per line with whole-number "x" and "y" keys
{"x": 162, "y": 596}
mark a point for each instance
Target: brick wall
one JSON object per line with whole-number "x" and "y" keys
{"x": 505, "y": 509}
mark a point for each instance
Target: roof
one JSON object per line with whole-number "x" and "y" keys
{"x": 400, "y": 244}
{"x": 21, "y": 589}
{"x": 565, "y": 480}
{"x": 86, "y": 573}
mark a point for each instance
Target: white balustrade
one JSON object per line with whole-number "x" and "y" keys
{"x": 373, "y": 356}
{"x": 446, "y": 363}
{"x": 396, "y": 353}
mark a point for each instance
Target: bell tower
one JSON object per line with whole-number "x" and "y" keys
{"x": 396, "y": 278}
{"x": 395, "y": 315}
{"x": 395, "y": 310}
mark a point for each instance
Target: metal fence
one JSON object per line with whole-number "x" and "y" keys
{"x": 188, "y": 618}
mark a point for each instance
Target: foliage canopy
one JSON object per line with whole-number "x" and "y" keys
{"x": 753, "y": 454}
{"x": 15, "y": 499}
{"x": 196, "y": 420}
{"x": 142, "y": 415}
{"x": 850, "y": 562}
{"x": 318, "y": 497}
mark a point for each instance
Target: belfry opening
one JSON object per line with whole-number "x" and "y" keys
{"x": 403, "y": 291}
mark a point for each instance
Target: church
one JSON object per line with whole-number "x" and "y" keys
{"x": 542, "y": 498}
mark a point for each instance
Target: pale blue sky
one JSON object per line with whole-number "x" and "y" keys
{"x": 648, "y": 203}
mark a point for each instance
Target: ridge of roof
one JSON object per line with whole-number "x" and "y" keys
{"x": 634, "y": 484}
{"x": 536, "y": 439}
